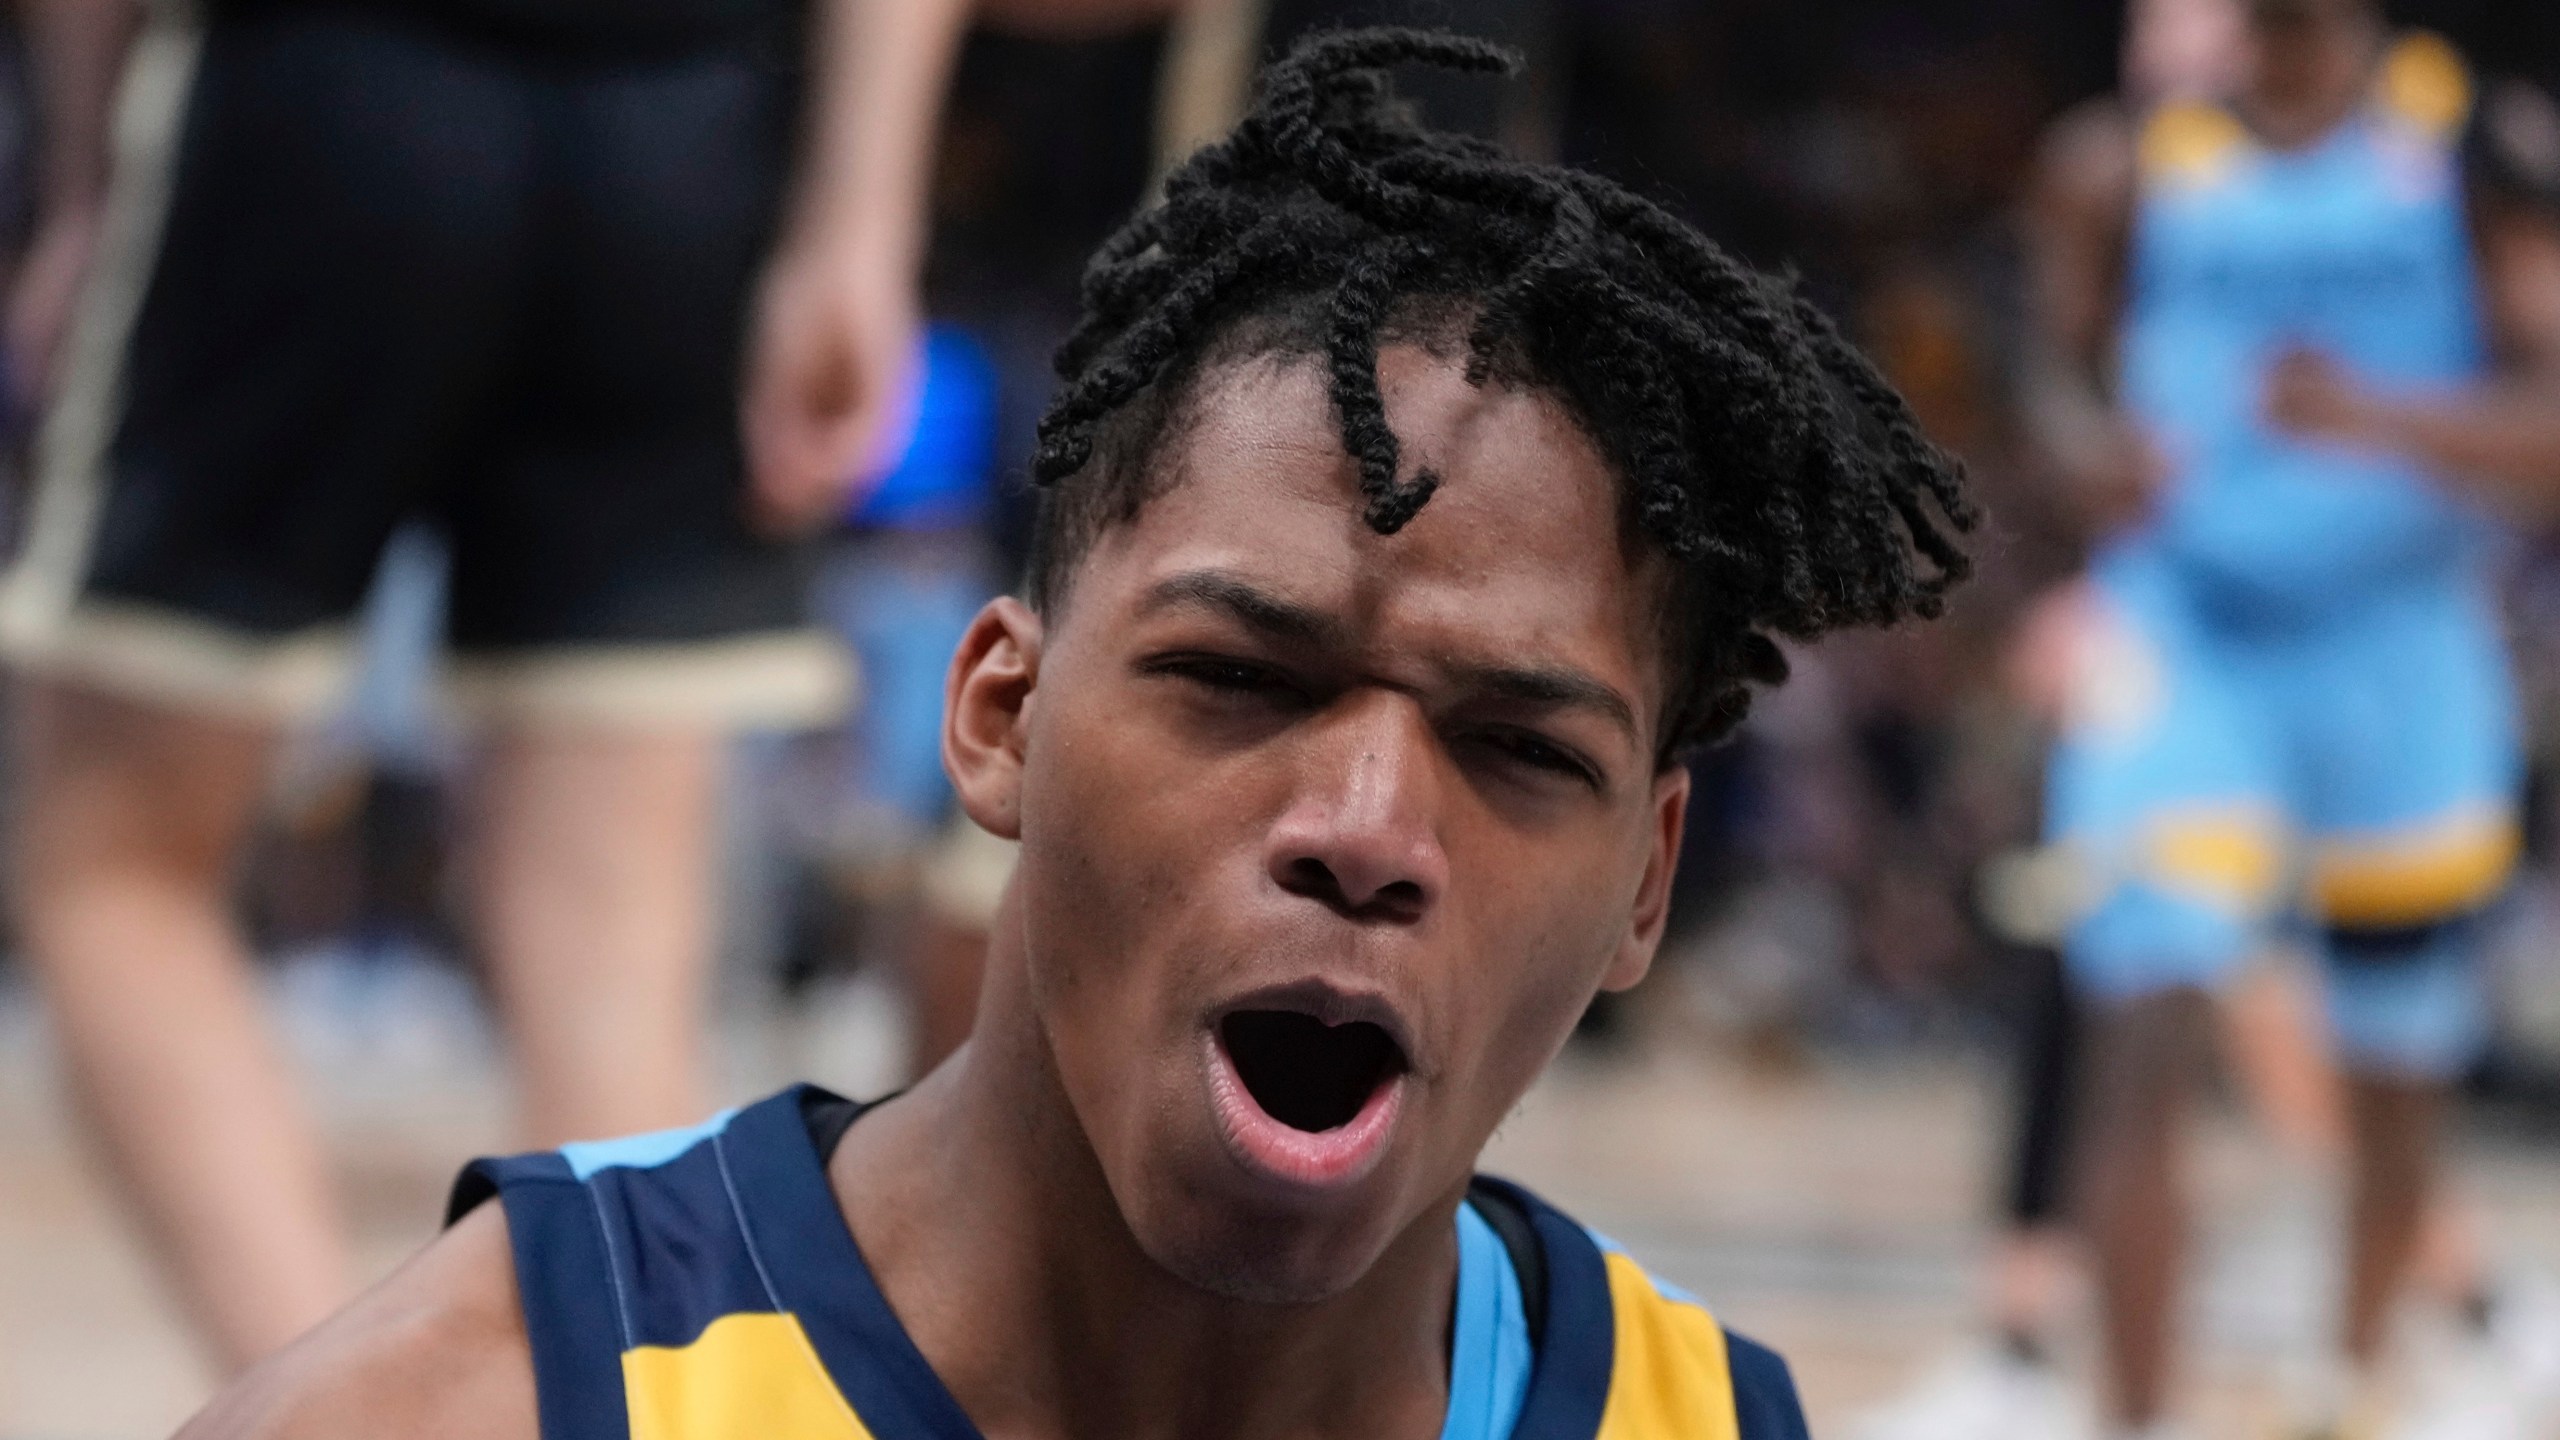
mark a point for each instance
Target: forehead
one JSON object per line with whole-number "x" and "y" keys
{"x": 1521, "y": 546}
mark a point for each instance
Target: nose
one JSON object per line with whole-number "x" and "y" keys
{"x": 1361, "y": 833}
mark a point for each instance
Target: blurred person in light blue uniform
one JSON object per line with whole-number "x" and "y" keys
{"x": 2303, "y": 334}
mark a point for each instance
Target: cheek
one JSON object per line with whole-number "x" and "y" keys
{"x": 1540, "y": 1006}
{"x": 1540, "y": 959}
{"x": 1101, "y": 891}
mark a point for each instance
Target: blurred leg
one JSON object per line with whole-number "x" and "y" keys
{"x": 2410, "y": 1016}
{"x": 2032, "y": 1269}
{"x": 2395, "y": 1121}
{"x": 594, "y": 871}
{"x": 2145, "y": 1057}
{"x": 2277, "y": 1044}
{"x": 2449, "y": 1265}
{"x": 2036, "y": 1257}
{"x": 133, "y": 821}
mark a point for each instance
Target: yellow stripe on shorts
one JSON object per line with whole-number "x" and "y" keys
{"x": 2436, "y": 871}
{"x": 2228, "y": 857}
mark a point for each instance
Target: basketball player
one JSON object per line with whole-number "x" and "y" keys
{"x": 2302, "y": 343}
{"x": 490, "y": 264}
{"x": 1414, "y": 509}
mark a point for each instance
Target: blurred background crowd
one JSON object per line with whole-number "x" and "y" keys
{"x": 1842, "y": 930}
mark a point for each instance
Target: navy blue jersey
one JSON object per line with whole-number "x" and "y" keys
{"x": 701, "y": 1284}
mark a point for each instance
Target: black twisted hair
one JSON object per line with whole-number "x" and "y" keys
{"x": 1784, "y": 478}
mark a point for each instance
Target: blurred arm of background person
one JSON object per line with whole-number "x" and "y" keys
{"x": 2078, "y": 222}
{"x": 78, "y": 50}
{"x": 2500, "y": 440}
{"x": 836, "y": 317}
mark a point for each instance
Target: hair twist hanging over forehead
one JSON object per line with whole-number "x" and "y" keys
{"x": 1785, "y": 481}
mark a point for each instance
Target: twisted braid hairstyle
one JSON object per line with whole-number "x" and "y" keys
{"x": 1782, "y": 477}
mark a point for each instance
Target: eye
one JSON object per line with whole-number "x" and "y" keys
{"x": 1527, "y": 748}
{"x": 1224, "y": 675}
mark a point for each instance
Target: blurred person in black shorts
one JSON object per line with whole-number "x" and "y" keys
{"x": 310, "y": 269}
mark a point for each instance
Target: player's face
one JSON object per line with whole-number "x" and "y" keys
{"x": 1329, "y": 837}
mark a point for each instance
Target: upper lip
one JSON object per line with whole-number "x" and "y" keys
{"x": 1330, "y": 1003}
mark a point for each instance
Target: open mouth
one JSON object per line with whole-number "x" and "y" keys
{"x": 1306, "y": 1074}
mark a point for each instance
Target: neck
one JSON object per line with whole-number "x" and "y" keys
{"x": 988, "y": 1221}
{"x": 2301, "y": 118}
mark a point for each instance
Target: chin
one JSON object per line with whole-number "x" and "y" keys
{"x": 1242, "y": 1253}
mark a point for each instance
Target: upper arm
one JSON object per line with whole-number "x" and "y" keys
{"x": 2520, "y": 249}
{"x": 435, "y": 1352}
{"x": 2513, "y": 161}
{"x": 2079, "y": 222}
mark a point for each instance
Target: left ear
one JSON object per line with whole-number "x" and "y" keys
{"x": 986, "y": 700}
{"x": 1653, "y": 894}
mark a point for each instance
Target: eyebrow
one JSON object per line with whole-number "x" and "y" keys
{"x": 1256, "y": 608}
{"x": 1554, "y": 687}
{"x": 1551, "y": 686}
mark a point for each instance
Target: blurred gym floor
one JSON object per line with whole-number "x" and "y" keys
{"x": 1832, "y": 1208}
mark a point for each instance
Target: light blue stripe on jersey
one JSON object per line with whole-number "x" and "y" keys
{"x": 1490, "y": 1353}
{"x": 639, "y": 1152}
{"x": 1661, "y": 1287}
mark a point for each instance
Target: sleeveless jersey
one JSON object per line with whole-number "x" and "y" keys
{"x": 701, "y": 1284}
{"x": 2357, "y": 247}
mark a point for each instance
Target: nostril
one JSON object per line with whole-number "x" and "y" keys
{"x": 1399, "y": 902}
{"x": 1312, "y": 878}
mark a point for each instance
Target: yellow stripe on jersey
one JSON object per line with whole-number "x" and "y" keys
{"x": 2190, "y": 144}
{"x": 2437, "y": 871}
{"x": 2425, "y": 82}
{"x": 1670, "y": 1377}
{"x": 747, "y": 1377}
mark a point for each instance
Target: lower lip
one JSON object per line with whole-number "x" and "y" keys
{"x": 1302, "y": 1159}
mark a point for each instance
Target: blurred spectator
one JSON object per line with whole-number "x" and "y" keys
{"x": 339, "y": 265}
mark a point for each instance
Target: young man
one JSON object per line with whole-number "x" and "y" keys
{"x": 341, "y": 264}
{"x": 1415, "y": 508}
{"x": 2305, "y": 351}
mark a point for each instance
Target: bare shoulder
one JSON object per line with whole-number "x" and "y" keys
{"x": 435, "y": 1352}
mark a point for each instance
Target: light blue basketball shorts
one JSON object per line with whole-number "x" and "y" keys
{"x": 2356, "y": 777}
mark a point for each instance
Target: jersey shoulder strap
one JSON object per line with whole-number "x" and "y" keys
{"x": 1623, "y": 1356}
{"x": 654, "y": 1282}
{"x": 565, "y": 1285}
{"x": 1764, "y": 1393}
